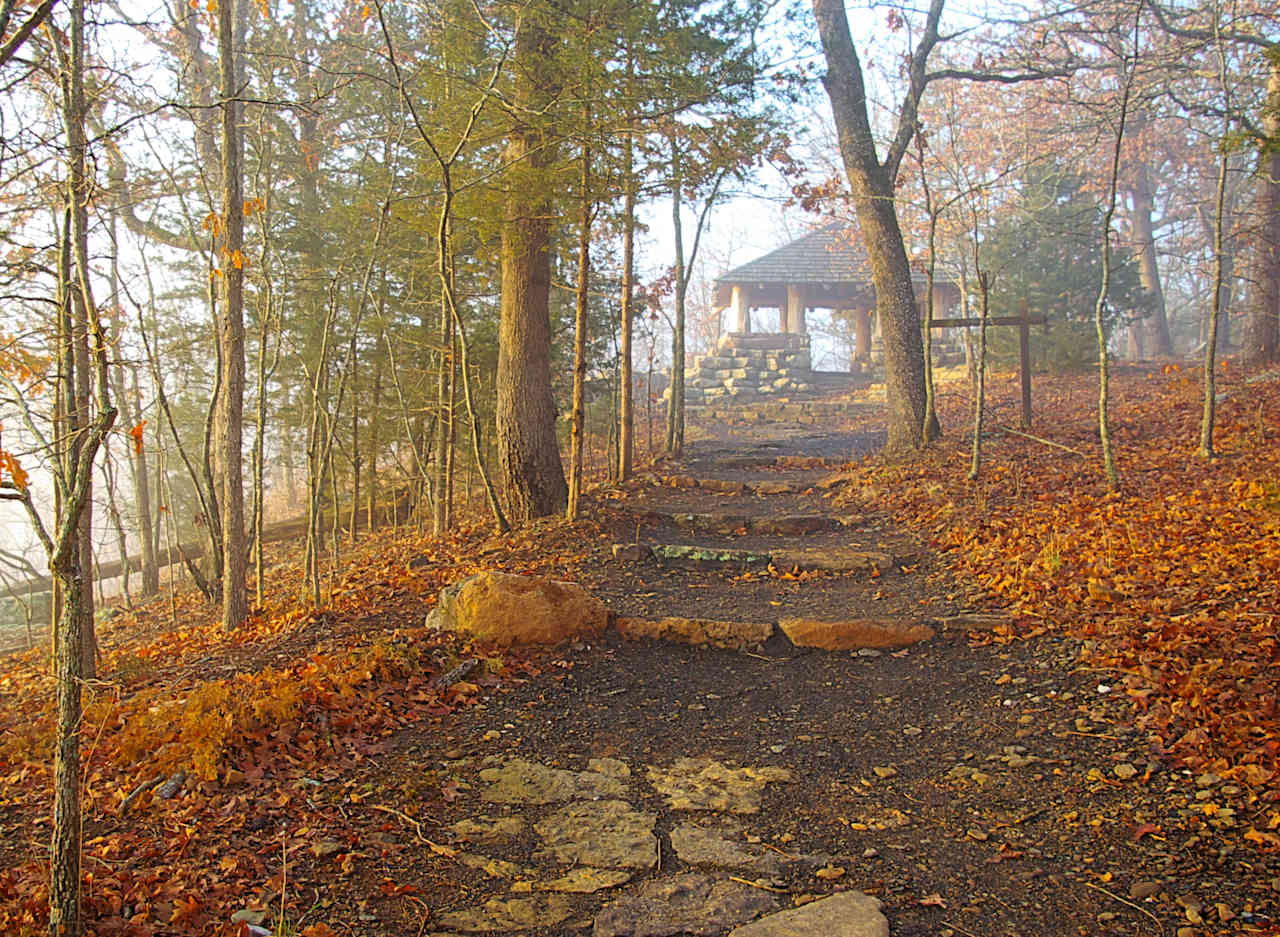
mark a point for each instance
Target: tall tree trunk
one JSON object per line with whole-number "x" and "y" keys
{"x": 675, "y": 408}
{"x": 872, "y": 183}
{"x": 1262, "y": 330}
{"x": 578, "y": 409}
{"x": 371, "y": 486}
{"x": 931, "y": 428}
{"x": 980, "y": 374}
{"x": 1148, "y": 267}
{"x": 1099, "y": 309}
{"x": 444, "y": 386}
{"x": 235, "y": 605}
{"x": 67, "y": 561}
{"x": 528, "y": 454}
{"x": 626, "y": 391}
{"x": 142, "y": 495}
{"x": 1215, "y": 314}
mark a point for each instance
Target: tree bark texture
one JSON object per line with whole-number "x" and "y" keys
{"x": 1157, "y": 325}
{"x": 235, "y": 606}
{"x": 872, "y": 185}
{"x": 626, "y": 390}
{"x": 1262, "y": 331}
{"x": 578, "y": 410}
{"x": 528, "y": 453}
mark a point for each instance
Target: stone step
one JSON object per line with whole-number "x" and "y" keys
{"x": 841, "y": 635}
{"x": 732, "y": 487}
{"x": 730, "y": 524}
{"x": 834, "y": 560}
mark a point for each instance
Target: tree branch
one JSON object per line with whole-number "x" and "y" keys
{"x": 23, "y": 32}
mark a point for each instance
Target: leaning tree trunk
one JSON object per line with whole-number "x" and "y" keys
{"x": 872, "y": 183}
{"x": 1262, "y": 335}
{"x": 528, "y": 453}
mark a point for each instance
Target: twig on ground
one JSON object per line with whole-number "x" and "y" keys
{"x": 138, "y": 792}
{"x": 446, "y": 851}
{"x": 1039, "y": 439}
{"x": 747, "y": 881}
{"x": 1124, "y": 901}
{"x": 1021, "y": 820}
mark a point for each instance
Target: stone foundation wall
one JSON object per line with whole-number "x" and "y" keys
{"x": 749, "y": 366}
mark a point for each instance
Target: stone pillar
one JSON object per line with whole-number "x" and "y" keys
{"x": 741, "y": 311}
{"x": 793, "y": 315}
{"x": 862, "y": 334}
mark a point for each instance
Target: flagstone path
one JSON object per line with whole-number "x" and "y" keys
{"x": 955, "y": 787}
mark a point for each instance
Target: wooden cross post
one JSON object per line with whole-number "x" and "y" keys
{"x": 1024, "y": 321}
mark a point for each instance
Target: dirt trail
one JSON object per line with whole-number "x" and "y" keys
{"x": 973, "y": 788}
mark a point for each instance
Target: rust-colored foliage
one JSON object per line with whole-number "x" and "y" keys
{"x": 1174, "y": 582}
{"x": 265, "y": 722}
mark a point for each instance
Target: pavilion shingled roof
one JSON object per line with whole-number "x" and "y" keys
{"x": 832, "y": 254}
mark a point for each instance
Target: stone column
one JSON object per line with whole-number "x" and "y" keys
{"x": 794, "y": 313}
{"x": 862, "y": 334}
{"x": 741, "y": 311}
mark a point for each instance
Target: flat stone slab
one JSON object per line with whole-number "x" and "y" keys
{"x": 709, "y": 556}
{"x": 607, "y": 834}
{"x": 685, "y": 904}
{"x": 494, "y": 868}
{"x": 722, "y": 485}
{"x": 717, "y": 844}
{"x": 485, "y": 830}
{"x": 833, "y": 560}
{"x": 778, "y": 488}
{"x": 723, "y": 524}
{"x": 585, "y": 881}
{"x": 510, "y": 914}
{"x": 793, "y": 525}
{"x": 523, "y": 782}
{"x": 732, "y": 635}
{"x": 853, "y": 634}
{"x": 848, "y": 914}
{"x": 705, "y": 784}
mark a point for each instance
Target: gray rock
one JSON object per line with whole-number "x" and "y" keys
{"x": 715, "y": 846}
{"x": 606, "y": 834}
{"x": 685, "y": 904}
{"x": 848, "y": 914}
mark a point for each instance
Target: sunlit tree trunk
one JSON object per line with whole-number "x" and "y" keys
{"x": 578, "y": 407}
{"x": 235, "y": 604}
{"x": 872, "y": 183}
{"x": 528, "y": 453}
{"x": 626, "y": 391}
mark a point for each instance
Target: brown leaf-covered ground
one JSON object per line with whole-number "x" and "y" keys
{"x": 1104, "y": 765}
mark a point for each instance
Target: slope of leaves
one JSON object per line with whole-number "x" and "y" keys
{"x": 258, "y": 721}
{"x": 1173, "y": 582}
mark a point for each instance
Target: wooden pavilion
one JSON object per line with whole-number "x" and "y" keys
{"x": 825, "y": 269}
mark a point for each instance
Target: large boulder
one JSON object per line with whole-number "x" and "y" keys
{"x": 505, "y": 609}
